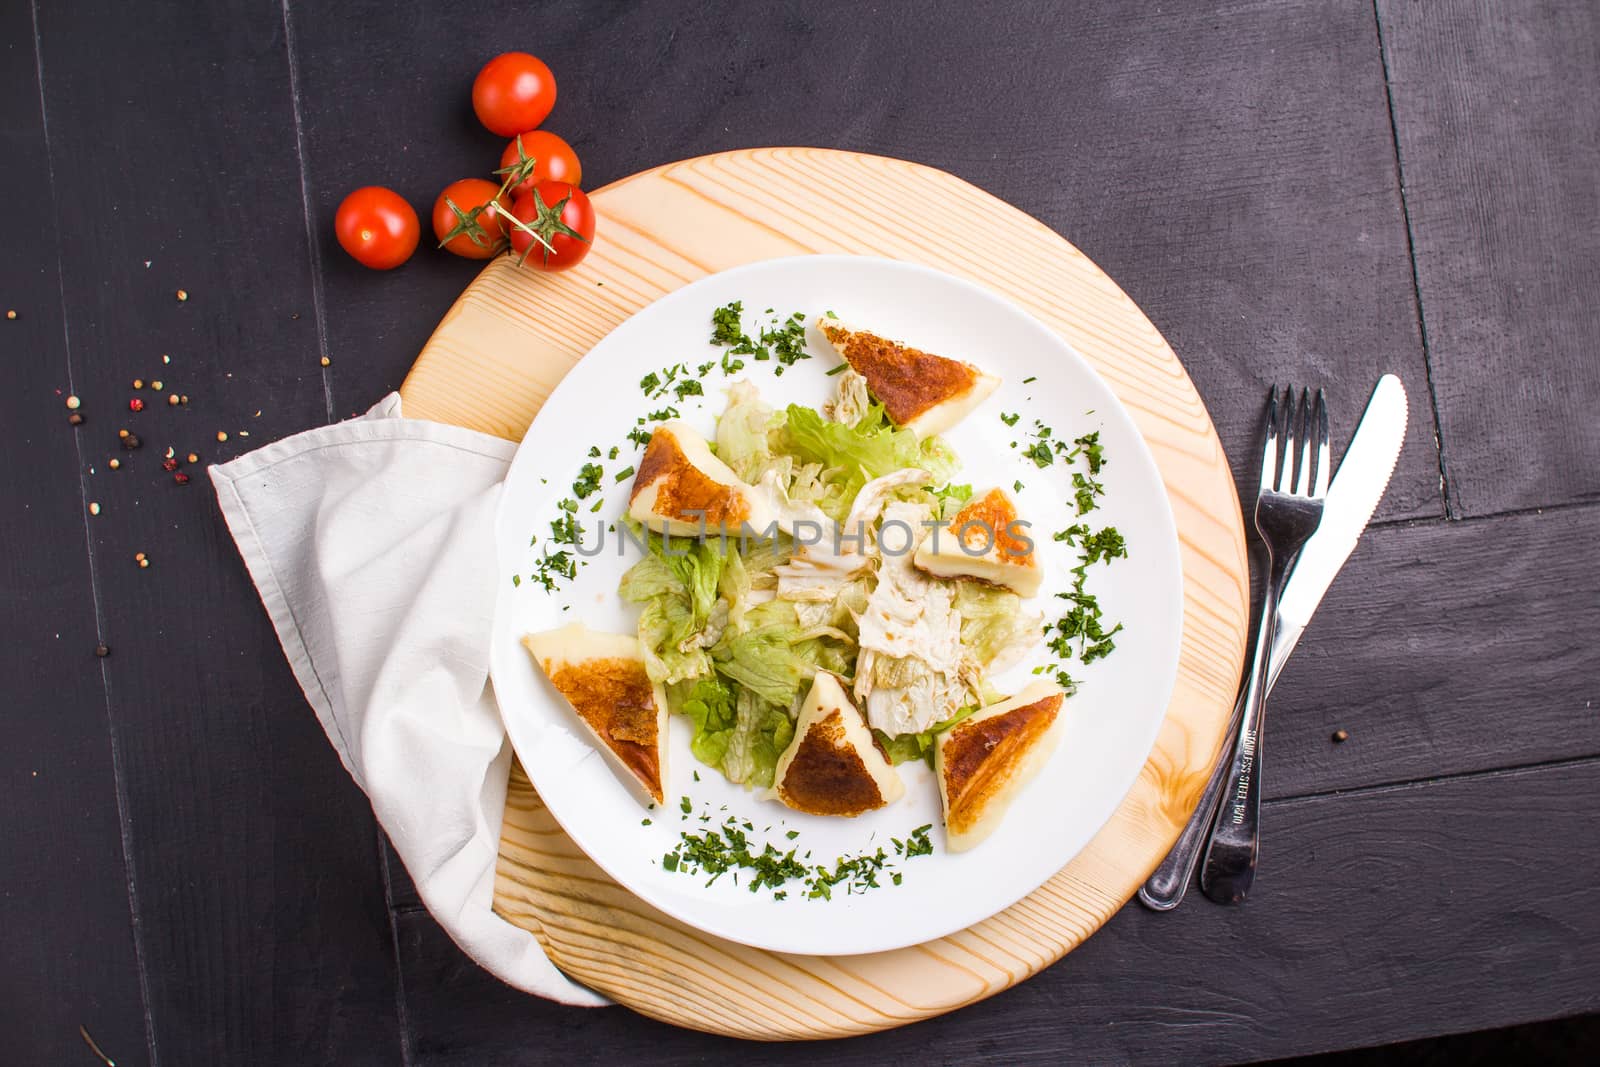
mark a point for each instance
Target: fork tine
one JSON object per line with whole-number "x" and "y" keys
{"x": 1324, "y": 453}
{"x": 1269, "y": 450}
{"x": 1302, "y": 470}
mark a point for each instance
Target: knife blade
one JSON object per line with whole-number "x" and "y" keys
{"x": 1362, "y": 478}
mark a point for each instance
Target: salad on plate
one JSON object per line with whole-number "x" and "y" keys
{"x": 822, "y": 597}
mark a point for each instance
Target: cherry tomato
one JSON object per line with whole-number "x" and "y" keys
{"x": 551, "y": 159}
{"x": 466, "y": 219}
{"x": 513, "y": 93}
{"x": 563, "y": 218}
{"x": 377, "y": 227}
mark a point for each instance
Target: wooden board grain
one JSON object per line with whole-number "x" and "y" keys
{"x": 512, "y": 336}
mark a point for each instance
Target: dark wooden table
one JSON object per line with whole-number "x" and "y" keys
{"x": 1293, "y": 190}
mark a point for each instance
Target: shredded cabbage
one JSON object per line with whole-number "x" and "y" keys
{"x": 745, "y": 431}
{"x": 735, "y": 659}
{"x": 907, "y": 747}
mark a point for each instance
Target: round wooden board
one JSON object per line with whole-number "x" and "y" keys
{"x": 514, "y": 333}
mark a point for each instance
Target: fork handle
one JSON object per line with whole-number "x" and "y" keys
{"x": 1230, "y": 858}
{"x": 1165, "y": 889}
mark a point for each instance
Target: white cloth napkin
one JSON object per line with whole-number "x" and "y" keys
{"x": 372, "y": 544}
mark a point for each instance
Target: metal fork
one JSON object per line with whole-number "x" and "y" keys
{"x": 1288, "y": 511}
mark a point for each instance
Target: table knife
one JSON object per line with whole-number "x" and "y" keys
{"x": 1363, "y": 476}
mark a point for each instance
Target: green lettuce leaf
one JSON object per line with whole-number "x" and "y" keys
{"x": 709, "y": 704}
{"x": 760, "y": 734}
{"x": 851, "y": 456}
{"x": 993, "y": 622}
{"x": 677, "y": 582}
{"x": 907, "y": 747}
{"x": 767, "y": 655}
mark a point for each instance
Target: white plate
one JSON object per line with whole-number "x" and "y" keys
{"x": 1111, "y": 722}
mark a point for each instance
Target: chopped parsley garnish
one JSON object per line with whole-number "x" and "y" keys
{"x": 613, "y": 453}
{"x": 1040, "y": 454}
{"x": 1029, "y": 380}
{"x": 783, "y": 340}
{"x": 1085, "y": 491}
{"x": 728, "y": 848}
{"x": 650, "y": 383}
{"x": 1017, "y": 485}
{"x": 837, "y": 370}
{"x": 1091, "y": 449}
{"x": 725, "y": 326}
{"x": 516, "y": 580}
{"x": 1010, "y": 420}
{"x": 688, "y": 387}
{"x": 594, "y": 451}
{"x": 639, "y": 435}
{"x": 588, "y": 480}
{"x": 624, "y": 474}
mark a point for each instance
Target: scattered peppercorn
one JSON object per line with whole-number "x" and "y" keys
{"x": 122, "y": 433}
{"x": 182, "y": 295}
{"x": 75, "y": 418}
{"x": 181, "y": 478}
{"x": 156, "y": 385}
{"x": 136, "y": 404}
{"x": 172, "y": 400}
{"x": 325, "y": 361}
{"x": 138, "y": 383}
{"x": 185, "y": 398}
{"x": 130, "y": 441}
{"x": 193, "y": 458}
{"x": 1341, "y": 736}
{"x": 73, "y": 403}
{"x": 144, "y": 563}
{"x": 114, "y": 464}
{"x": 165, "y": 358}
{"x": 94, "y": 509}
{"x": 11, "y": 314}
{"x": 221, "y": 435}
{"x": 102, "y": 651}
{"x": 169, "y": 464}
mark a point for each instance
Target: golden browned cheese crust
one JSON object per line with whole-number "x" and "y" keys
{"x": 615, "y": 698}
{"x": 906, "y": 381}
{"x": 992, "y": 512}
{"x": 683, "y": 492}
{"x": 979, "y": 757}
{"x": 827, "y": 776}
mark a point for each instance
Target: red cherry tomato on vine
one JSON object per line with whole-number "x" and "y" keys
{"x": 562, "y": 217}
{"x": 513, "y": 93}
{"x": 551, "y": 157}
{"x": 466, "y": 219}
{"x": 377, "y": 227}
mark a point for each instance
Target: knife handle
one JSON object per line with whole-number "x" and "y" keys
{"x": 1165, "y": 888}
